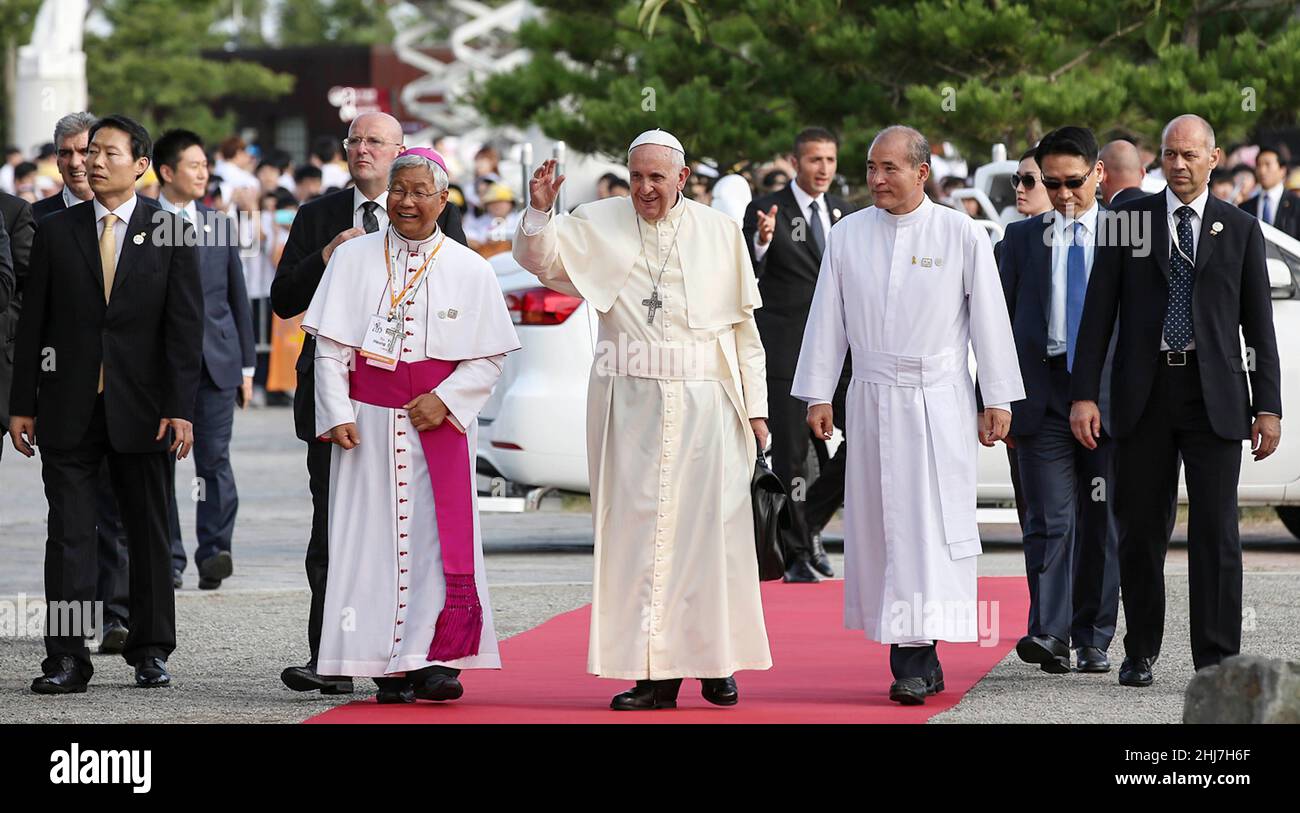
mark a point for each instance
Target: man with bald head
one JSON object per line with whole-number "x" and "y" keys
{"x": 1122, "y": 172}
{"x": 1190, "y": 285}
{"x": 910, "y": 287}
{"x": 321, "y": 226}
{"x": 677, "y": 397}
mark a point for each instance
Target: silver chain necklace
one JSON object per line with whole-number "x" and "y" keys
{"x": 654, "y": 303}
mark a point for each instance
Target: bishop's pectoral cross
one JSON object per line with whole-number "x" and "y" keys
{"x": 652, "y": 304}
{"x": 393, "y": 331}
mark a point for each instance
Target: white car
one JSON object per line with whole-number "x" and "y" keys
{"x": 533, "y": 430}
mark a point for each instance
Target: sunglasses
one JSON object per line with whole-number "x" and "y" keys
{"x": 1072, "y": 183}
{"x": 1026, "y": 179}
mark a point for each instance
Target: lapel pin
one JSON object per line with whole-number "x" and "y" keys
{"x": 835, "y": 213}
{"x": 451, "y": 313}
{"x": 442, "y": 314}
{"x": 138, "y": 239}
{"x": 1216, "y": 227}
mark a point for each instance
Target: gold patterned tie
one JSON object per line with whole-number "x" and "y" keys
{"x": 108, "y": 262}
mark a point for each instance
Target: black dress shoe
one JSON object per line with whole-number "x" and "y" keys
{"x": 114, "y": 639}
{"x": 719, "y": 691}
{"x": 177, "y": 581}
{"x": 403, "y": 695}
{"x": 647, "y": 695}
{"x": 1051, "y": 655}
{"x": 213, "y": 569}
{"x": 820, "y": 561}
{"x": 908, "y": 691}
{"x": 63, "y": 676}
{"x": 1136, "y": 672}
{"x": 151, "y": 673}
{"x": 912, "y": 691}
{"x": 1091, "y": 659}
{"x": 800, "y": 571}
{"x": 305, "y": 679}
{"x": 439, "y": 687}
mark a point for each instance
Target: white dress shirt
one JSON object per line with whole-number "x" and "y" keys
{"x": 1062, "y": 237}
{"x": 1274, "y": 196}
{"x": 123, "y": 213}
{"x": 69, "y": 199}
{"x": 804, "y": 200}
{"x": 189, "y": 211}
{"x": 381, "y": 214}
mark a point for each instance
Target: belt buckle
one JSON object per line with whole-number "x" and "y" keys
{"x": 1180, "y": 355}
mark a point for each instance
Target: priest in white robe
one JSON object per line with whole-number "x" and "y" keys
{"x": 909, "y": 285}
{"x": 411, "y": 332}
{"x": 677, "y": 394}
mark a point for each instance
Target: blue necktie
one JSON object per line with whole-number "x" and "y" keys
{"x": 1268, "y": 209}
{"x": 1178, "y": 315}
{"x": 1076, "y": 289}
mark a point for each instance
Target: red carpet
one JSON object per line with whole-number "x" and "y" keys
{"x": 823, "y": 673}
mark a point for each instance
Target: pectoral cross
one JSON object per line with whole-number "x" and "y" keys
{"x": 652, "y": 304}
{"x": 393, "y": 331}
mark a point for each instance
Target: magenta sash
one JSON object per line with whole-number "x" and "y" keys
{"x": 446, "y": 454}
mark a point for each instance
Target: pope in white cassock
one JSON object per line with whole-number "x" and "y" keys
{"x": 908, "y": 284}
{"x": 676, "y": 396}
{"x": 411, "y": 332}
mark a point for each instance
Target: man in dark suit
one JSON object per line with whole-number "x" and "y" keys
{"x": 322, "y": 225}
{"x": 1069, "y": 530}
{"x": 1189, "y": 285}
{"x": 228, "y": 357}
{"x": 786, "y": 234}
{"x": 106, "y": 366}
{"x": 16, "y": 230}
{"x": 71, "y": 141}
{"x": 1273, "y": 204}
{"x": 1122, "y": 173}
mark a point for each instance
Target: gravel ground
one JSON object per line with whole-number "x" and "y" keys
{"x": 233, "y": 642}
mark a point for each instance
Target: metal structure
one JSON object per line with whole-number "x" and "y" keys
{"x": 481, "y": 40}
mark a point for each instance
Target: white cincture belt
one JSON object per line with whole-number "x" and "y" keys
{"x": 909, "y": 371}
{"x": 666, "y": 361}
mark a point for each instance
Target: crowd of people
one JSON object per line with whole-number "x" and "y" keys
{"x": 778, "y": 318}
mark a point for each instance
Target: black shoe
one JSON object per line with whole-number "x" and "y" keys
{"x": 63, "y": 676}
{"x": 1091, "y": 659}
{"x": 820, "y": 561}
{"x": 1137, "y": 672}
{"x": 403, "y": 695}
{"x": 800, "y": 571}
{"x": 648, "y": 694}
{"x": 1051, "y": 655}
{"x": 305, "y": 679}
{"x": 114, "y": 640}
{"x": 151, "y": 673}
{"x": 177, "y": 581}
{"x": 719, "y": 691}
{"x": 912, "y": 691}
{"x": 213, "y": 569}
{"x": 439, "y": 687}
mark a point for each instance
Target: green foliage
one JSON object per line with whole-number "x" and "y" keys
{"x": 352, "y": 22}
{"x": 735, "y": 79}
{"x": 151, "y": 66}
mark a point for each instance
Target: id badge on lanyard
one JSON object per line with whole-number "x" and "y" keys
{"x": 384, "y": 333}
